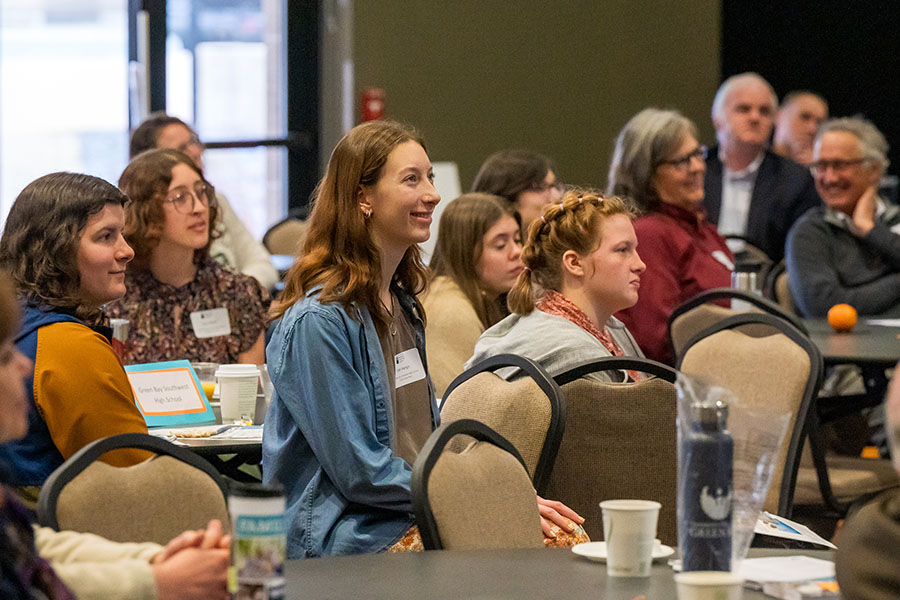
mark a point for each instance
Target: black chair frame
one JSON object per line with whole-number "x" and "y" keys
{"x": 557, "y": 406}
{"x": 78, "y": 462}
{"x": 428, "y": 457}
{"x": 750, "y": 298}
{"x": 769, "y": 290}
{"x": 806, "y": 422}
{"x": 617, "y": 363}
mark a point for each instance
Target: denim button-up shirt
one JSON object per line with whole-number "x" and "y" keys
{"x": 330, "y": 429}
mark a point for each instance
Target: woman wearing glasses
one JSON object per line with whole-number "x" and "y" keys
{"x": 526, "y": 179}
{"x": 660, "y": 165}
{"x": 180, "y": 303}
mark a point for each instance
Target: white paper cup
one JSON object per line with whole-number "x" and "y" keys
{"x": 237, "y": 391}
{"x": 709, "y": 585}
{"x": 629, "y": 527}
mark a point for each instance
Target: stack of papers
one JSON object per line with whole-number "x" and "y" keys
{"x": 769, "y": 524}
{"x": 790, "y": 577}
{"x": 214, "y": 432}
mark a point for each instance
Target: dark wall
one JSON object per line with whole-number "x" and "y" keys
{"x": 562, "y": 78}
{"x": 846, "y": 51}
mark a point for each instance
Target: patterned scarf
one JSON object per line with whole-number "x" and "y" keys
{"x": 554, "y": 303}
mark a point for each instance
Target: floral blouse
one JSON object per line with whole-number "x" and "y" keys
{"x": 161, "y": 326}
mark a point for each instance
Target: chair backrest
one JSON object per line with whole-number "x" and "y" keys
{"x": 749, "y": 254}
{"x": 780, "y": 371}
{"x": 152, "y": 501}
{"x": 619, "y": 442}
{"x": 529, "y": 411}
{"x": 697, "y": 314}
{"x": 286, "y": 237}
{"x": 481, "y": 497}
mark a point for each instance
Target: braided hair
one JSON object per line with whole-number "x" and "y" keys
{"x": 572, "y": 224}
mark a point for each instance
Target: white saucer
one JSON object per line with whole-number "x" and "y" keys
{"x": 596, "y": 551}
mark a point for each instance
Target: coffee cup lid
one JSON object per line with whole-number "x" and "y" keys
{"x": 237, "y": 371}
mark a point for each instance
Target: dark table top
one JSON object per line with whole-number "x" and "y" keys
{"x": 481, "y": 574}
{"x": 866, "y": 344}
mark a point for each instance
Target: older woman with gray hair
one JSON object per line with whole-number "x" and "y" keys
{"x": 659, "y": 164}
{"x": 847, "y": 251}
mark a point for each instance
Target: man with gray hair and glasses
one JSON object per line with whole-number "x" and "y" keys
{"x": 847, "y": 251}
{"x": 749, "y": 190}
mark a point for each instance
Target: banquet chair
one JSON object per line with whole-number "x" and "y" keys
{"x": 749, "y": 254}
{"x": 778, "y": 289}
{"x": 781, "y": 371}
{"x": 700, "y": 312}
{"x": 529, "y": 410}
{"x": 619, "y": 442}
{"x": 478, "y": 498}
{"x": 152, "y": 501}
{"x": 286, "y": 237}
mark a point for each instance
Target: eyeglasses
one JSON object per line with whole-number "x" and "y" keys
{"x": 194, "y": 141}
{"x": 182, "y": 198}
{"x": 544, "y": 187}
{"x": 683, "y": 163}
{"x": 838, "y": 166}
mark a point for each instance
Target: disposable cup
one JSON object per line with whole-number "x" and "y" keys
{"x": 206, "y": 373}
{"x": 237, "y": 391}
{"x": 709, "y": 585}
{"x": 629, "y": 527}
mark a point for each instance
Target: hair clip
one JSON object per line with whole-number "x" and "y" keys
{"x": 580, "y": 200}
{"x": 561, "y": 207}
{"x": 543, "y": 220}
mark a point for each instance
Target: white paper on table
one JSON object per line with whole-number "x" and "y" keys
{"x": 786, "y": 568}
{"x": 251, "y": 432}
{"x": 769, "y": 524}
{"x": 883, "y": 322}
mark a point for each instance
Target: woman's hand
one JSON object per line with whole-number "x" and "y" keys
{"x": 557, "y": 514}
{"x": 206, "y": 539}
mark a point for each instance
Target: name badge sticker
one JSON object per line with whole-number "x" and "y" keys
{"x": 723, "y": 258}
{"x": 408, "y": 368}
{"x": 211, "y": 323}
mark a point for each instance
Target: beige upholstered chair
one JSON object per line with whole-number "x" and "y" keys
{"x": 480, "y": 497}
{"x": 778, "y": 289}
{"x": 152, "y": 501}
{"x": 619, "y": 442}
{"x": 849, "y": 478}
{"x": 780, "y": 371}
{"x": 286, "y": 237}
{"x": 699, "y": 313}
{"x": 529, "y": 411}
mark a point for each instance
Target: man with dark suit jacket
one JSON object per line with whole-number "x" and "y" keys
{"x": 751, "y": 191}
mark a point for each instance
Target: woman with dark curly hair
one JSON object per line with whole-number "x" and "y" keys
{"x": 63, "y": 245}
{"x": 182, "y": 304}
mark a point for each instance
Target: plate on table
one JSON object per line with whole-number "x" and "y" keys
{"x": 596, "y": 551}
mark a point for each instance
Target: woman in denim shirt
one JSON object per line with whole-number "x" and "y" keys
{"x": 343, "y": 429}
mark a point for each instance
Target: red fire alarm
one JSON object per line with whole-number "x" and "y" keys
{"x": 372, "y": 104}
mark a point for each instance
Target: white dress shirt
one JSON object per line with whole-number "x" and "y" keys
{"x": 737, "y": 190}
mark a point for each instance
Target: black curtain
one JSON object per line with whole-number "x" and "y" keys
{"x": 848, "y": 51}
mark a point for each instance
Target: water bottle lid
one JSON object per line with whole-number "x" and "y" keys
{"x": 711, "y": 414}
{"x": 255, "y": 490}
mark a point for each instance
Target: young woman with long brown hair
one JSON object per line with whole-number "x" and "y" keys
{"x": 476, "y": 261}
{"x": 345, "y": 424}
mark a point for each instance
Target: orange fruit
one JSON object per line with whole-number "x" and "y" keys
{"x": 842, "y": 317}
